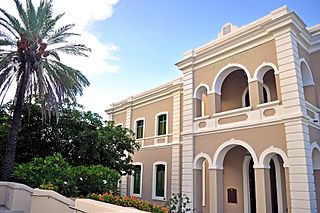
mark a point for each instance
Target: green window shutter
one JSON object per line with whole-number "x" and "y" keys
{"x": 162, "y": 124}
{"x": 160, "y": 180}
{"x": 137, "y": 179}
{"x": 139, "y": 129}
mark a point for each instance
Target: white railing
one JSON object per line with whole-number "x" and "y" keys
{"x": 241, "y": 117}
{"x": 157, "y": 140}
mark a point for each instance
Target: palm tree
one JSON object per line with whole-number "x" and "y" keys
{"x": 29, "y": 47}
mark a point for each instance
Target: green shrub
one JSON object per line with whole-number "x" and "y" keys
{"x": 53, "y": 172}
{"x": 128, "y": 201}
{"x": 96, "y": 179}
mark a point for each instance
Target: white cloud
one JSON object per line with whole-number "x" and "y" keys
{"x": 82, "y": 14}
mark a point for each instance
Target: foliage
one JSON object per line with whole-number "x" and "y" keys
{"x": 80, "y": 136}
{"x": 29, "y": 55}
{"x": 179, "y": 203}
{"x": 54, "y": 173}
{"x": 128, "y": 201}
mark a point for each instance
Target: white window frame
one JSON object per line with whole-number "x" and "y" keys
{"x": 135, "y": 128}
{"x": 132, "y": 180}
{"x": 157, "y": 123}
{"x": 154, "y": 197}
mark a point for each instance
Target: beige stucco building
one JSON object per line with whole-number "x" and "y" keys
{"x": 239, "y": 131}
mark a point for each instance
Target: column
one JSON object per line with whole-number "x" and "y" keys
{"x": 197, "y": 177}
{"x": 216, "y": 193}
{"x": 263, "y": 196}
{"x": 187, "y": 147}
{"x": 254, "y": 94}
{"x": 175, "y": 173}
{"x": 301, "y": 180}
{"x": 124, "y": 179}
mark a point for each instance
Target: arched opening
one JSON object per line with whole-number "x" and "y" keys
{"x": 308, "y": 83}
{"x": 316, "y": 171}
{"x": 232, "y": 90}
{"x": 239, "y": 178}
{"x": 269, "y": 88}
{"x": 265, "y": 95}
{"x": 277, "y": 185}
{"x": 201, "y": 183}
{"x": 266, "y": 76}
{"x": 201, "y": 101}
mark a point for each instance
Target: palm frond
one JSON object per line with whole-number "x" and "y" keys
{"x": 61, "y": 34}
{"x": 73, "y": 49}
{"x": 22, "y": 13}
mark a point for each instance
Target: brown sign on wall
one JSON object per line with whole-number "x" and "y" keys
{"x": 232, "y": 195}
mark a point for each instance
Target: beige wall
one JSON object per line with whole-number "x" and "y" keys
{"x": 232, "y": 90}
{"x": 148, "y": 157}
{"x": 120, "y": 118}
{"x": 149, "y": 111}
{"x": 315, "y": 68}
{"x": 259, "y": 138}
{"x": 317, "y": 185}
{"x": 251, "y": 59}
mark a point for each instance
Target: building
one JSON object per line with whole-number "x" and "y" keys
{"x": 239, "y": 131}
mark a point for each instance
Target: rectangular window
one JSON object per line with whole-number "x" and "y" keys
{"x": 139, "y": 129}
{"x": 160, "y": 180}
{"x": 137, "y": 179}
{"x": 162, "y": 124}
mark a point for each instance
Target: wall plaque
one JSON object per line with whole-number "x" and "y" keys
{"x": 232, "y": 195}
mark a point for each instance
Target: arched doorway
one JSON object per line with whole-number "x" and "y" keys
{"x": 201, "y": 165}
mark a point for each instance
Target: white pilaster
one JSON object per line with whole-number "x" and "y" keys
{"x": 124, "y": 179}
{"x": 187, "y": 148}
{"x": 175, "y": 173}
{"x": 302, "y": 189}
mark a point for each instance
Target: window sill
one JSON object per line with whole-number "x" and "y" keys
{"x": 136, "y": 195}
{"x": 201, "y": 118}
{"x": 159, "y": 198}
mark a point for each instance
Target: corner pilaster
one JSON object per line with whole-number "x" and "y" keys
{"x": 187, "y": 148}
{"x": 301, "y": 179}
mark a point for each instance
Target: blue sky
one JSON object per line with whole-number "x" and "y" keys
{"x": 135, "y": 43}
{"x": 152, "y": 36}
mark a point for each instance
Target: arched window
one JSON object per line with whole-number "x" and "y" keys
{"x": 201, "y": 101}
{"x": 309, "y": 89}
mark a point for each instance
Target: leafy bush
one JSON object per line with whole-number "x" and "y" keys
{"x": 53, "y": 172}
{"x": 128, "y": 201}
{"x": 95, "y": 179}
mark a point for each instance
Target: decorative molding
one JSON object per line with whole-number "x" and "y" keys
{"x": 223, "y": 74}
{"x": 197, "y": 163}
{"x": 267, "y": 154}
{"x": 141, "y": 180}
{"x": 262, "y": 69}
{"x": 224, "y": 148}
{"x": 308, "y": 77}
{"x": 154, "y": 197}
{"x": 135, "y": 127}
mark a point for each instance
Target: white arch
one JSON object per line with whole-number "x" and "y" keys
{"x": 246, "y": 90}
{"x": 224, "y": 72}
{"x": 196, "y": 94}
{"x": 224, "y": 148}
{"x": 268, "y": 153}
{"x": 198, "y": 164}
{"x": 315, "y": 156}
{"x": 306, "y": 74}
{"x": 262, "y": 69}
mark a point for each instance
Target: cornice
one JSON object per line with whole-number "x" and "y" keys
{"x": 266, "y": 28}
{"x": 165, "y": 90}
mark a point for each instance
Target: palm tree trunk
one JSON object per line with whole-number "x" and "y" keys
{"x": 10, "y": 151}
